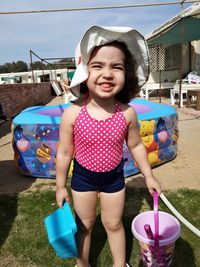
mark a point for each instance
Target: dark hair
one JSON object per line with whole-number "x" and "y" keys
{"x": 131, "y": 87}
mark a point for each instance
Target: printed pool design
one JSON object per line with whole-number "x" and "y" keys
{"x": 36, "y": 135}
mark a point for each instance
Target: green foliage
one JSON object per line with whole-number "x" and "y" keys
{"x": 23, "y": 236}
{"x": 37, "y": 65}
{"x": 19, "y": 66}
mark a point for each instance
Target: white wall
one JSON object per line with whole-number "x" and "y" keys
{"x": 196, "y": 56}
{"x": 27, "y": 76}
{"x": 170, "y": 76}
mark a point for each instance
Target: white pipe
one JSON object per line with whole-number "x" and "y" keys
{"x": 179, "y": 216}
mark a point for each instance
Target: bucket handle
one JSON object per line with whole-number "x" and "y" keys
{"x": 156, "y": 218}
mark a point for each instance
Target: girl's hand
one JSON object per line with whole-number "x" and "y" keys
{"x": 61, "y": 196}
{"x": 153, "y": 185}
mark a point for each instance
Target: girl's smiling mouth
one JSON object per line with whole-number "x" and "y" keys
{"x": 106, "y": 86}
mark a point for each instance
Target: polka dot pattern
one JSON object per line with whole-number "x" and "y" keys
{"x": 99, "y": 143}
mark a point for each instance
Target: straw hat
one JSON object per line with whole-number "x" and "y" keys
{"x": 97, "y": 36}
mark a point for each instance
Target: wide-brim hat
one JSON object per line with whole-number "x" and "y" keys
{"x": 97, "y": 36}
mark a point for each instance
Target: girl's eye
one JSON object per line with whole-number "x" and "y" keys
{"x": 119, "y": 67}
{"x": 96, "y": 66}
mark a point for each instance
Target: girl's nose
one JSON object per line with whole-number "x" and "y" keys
{"x": 107, "y": 72}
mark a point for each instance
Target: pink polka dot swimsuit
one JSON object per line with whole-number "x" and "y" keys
{"x": 99, "y": 143}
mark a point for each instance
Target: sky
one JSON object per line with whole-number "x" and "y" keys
{"x": 55, "y": 35}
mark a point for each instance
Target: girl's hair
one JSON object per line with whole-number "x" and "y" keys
{"x": 131, "y": 87}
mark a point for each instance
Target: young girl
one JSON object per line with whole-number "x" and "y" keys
{"x": 112, "y": 64}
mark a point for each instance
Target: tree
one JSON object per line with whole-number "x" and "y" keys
{"x": 37, "y": 65}
{"x": 19, "y": 66}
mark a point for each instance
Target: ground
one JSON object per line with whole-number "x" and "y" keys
{"x": 182, "y": 172}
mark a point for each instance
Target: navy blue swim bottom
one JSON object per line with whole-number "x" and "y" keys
{"x": 84, "y": 180}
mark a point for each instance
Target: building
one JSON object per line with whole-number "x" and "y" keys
{"x": 175, "y": 46}
{"x": 36, "y": 76}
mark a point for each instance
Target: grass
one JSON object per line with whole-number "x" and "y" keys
{"x": 23, "y": 238}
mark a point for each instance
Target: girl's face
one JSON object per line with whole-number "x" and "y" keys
{"x": 106, "y": 71}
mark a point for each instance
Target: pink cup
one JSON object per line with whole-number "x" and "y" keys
{"x": 169, "y": 231}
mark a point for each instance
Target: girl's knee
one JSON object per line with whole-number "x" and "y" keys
{"x": 112, "y": 225}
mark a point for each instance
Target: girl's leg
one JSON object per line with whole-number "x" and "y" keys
{"x": 112, "y": 206}
{"x": 85, "y": 207}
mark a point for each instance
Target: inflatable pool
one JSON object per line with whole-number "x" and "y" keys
{"x": 36, "y": 133}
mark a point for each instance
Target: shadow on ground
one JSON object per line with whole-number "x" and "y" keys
{"x": 5, "y": 128}
{"x": 11, "y": 184}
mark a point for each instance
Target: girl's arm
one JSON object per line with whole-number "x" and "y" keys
{"x": 139, "y": 153}
{"x": 64, "y": 154}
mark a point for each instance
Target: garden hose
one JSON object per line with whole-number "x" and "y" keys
{"x": 179, "y": 216}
